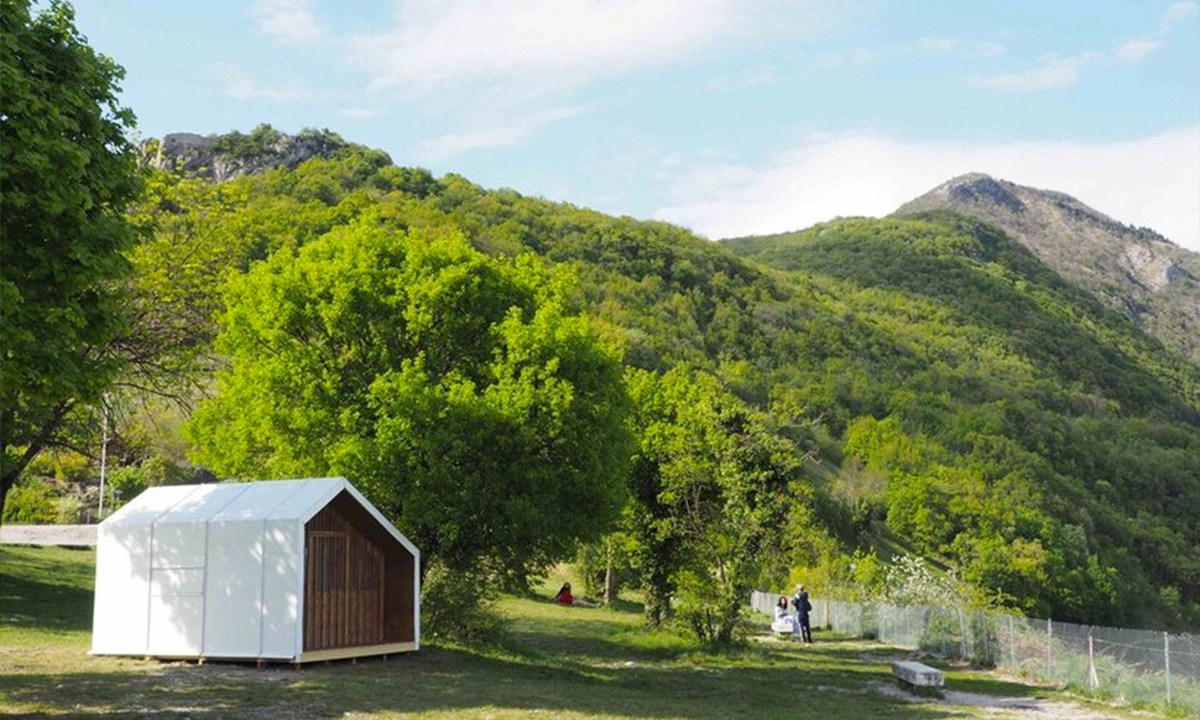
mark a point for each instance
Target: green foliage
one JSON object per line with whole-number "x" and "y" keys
{"x": 67, "y": 174}
{"x": 955, "y": 398}
{"x": 458, "y": 391}
{"x": 31, "y": 503}
{"x": 1009, "y": 424}
{"x": 460, "y": 605}
{"x": 714, "y": 488}
{"x": 124, "y": 484}
{"x": 69, "y": 510}
{"x": 260, "y": 141}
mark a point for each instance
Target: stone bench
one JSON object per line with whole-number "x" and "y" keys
{"x": 918, "y": 677}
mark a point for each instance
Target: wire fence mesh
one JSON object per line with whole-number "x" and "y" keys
{"x": 1136, "y": 666}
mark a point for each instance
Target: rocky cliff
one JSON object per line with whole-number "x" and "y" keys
{"x": 224, "y": 157}
{"x": 1137, "y": 271}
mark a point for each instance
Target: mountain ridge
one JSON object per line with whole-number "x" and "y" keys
{"x": 231, "y": 155}
{"x": 1135, "y": 270}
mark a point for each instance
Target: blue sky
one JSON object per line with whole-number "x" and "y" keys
{"x": 727, "y": 116}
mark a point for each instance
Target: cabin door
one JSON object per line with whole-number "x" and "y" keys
{"x": 343, "y": 585}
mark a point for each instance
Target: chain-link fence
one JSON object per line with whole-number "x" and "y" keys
{"x": 1139, "y": 666}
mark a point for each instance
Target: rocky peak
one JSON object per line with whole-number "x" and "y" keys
{"x": 224, "y": 157}
{"x": 1134, "y": 269}
{"x": 978, "y": 187}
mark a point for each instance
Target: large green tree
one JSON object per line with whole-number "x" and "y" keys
{"x": 67, "y": 174}
{"x": 713, "y": 490}
{"x": 459, "y": 391}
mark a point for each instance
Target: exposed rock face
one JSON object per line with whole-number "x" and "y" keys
{"x": 224, "y": 157}
{"x": 1135, "y": 270}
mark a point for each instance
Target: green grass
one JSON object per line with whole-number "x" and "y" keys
{"x": 550, "y": 662}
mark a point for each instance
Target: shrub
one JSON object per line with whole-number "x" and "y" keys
{"x": 124, "y": 484}
{"x": 31, "y": 503}
{"x": 70, "y": 510}
{"x": 459, "y": 605}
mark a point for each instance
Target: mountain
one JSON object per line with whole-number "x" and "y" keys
{"x": 961, "y": 400}
{"x": 994, "y": 397}
{"x": 1134, "y": 270}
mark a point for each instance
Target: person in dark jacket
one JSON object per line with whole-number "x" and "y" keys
{"x": 803, "y": 608}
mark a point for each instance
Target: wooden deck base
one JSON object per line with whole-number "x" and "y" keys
{"x": 356, "y": 652}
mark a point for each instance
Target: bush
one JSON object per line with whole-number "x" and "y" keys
{"x": 70, "y": 510}
{"x": 459, "y": 605}
{"x": 31, "y": 503}
{"x": 124, "y": 484}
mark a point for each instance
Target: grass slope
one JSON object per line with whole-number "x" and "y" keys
{"x": 551, "y": 662}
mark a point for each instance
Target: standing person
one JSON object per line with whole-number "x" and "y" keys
{"x": 803, "y": 608}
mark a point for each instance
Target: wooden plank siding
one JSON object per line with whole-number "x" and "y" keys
{"x": 344, "y": 584}
{"x": 358, "y": 582}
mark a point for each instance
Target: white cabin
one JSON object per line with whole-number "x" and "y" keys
{"x": 283, "y": 571}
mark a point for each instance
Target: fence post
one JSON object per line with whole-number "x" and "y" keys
{"x": 987, "y": 630}
{"x": 1167, "y": 664}
{"x": 1093, "y": 682}
{"x": 962, "y": 635}
{"x": 826, "y": 623}
{"x": 1012, "y": 644}
{"x": 1050, "y": 651}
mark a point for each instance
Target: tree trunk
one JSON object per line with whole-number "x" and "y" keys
{"x": 31, "y": 451}
{"x": 610, "y": 586}
{"x": 5, "y": 484}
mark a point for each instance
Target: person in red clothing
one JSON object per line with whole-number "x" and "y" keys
{"x": 564, "y": 597}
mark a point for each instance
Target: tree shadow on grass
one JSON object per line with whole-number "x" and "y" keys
{"x": 40, "y": 604}
{"x": 573, "y": 664}
{"x": 769, "y": 684}
{"x": 455, "y": 683}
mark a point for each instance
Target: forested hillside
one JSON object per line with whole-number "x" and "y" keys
{"x": 914, "y": 385}
{"x": 1057, "y": 436}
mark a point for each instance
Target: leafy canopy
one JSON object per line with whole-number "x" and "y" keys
{"x": 67, "y": 174}
{"x": 459, "y": 391}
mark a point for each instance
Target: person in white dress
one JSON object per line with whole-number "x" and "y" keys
{"x": 784, "y": 622}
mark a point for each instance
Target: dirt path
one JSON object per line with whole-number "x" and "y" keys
{"x": 1004, "y": 708}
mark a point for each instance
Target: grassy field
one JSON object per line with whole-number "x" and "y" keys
{"x": 550, "y": 662}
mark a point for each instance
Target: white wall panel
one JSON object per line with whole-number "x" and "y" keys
{"x": 122, "y": 594}
{"x": 177, "y": 581}
{"x": 282, "y": 588}
{"x": 178, "y": 545}
{"x": 175, "y": 625}
{"x": 233, "y": 591}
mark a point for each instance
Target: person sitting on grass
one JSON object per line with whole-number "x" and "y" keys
{"x": 564, "y": 597}
{"x": 784, "y": 622}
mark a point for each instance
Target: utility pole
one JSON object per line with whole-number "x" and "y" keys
{"x": 103, "y": 452}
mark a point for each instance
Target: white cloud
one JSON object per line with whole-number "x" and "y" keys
{"x": 749, "y": 78}
{"x": 1177, "y": 13}
{"x": 562, "y": 42}
{"x": 239, "y": 84}
{"x": 1134, "y": 50}
{"x": 937, "y": 44}
{"x": 557, "y": 44}
{"x": 1152, "y": 181}
{"x": 290, "y": 22}
{"x": 1058, "y": 72}
{"x": 932, "y": 45}
{"x": 355, "y": 113}
{"x": 508, "y": 133}
{"x": 856, "y": 57}
{"x": 986, "y": 49}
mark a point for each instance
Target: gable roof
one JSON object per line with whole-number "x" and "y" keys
{"x": 296, "y": 500}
